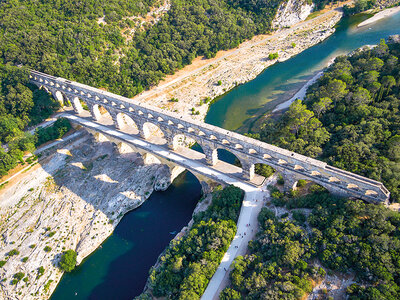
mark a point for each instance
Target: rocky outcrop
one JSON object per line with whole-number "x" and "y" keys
{"x": 292, "y": 12}
{"x": 386, "y": 3}
{"x": 394, "y": 39}
{"x": 74, "y": 200}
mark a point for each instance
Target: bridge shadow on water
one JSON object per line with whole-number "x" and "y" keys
{"x": 119, "y": 268}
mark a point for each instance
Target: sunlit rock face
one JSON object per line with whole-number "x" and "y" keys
{"x": 292, "y": 12}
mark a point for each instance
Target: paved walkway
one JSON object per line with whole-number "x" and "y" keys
{"x": 251, "y": 206}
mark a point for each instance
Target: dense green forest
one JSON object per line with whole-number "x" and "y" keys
{"x": 190, "y": 261}
{"x": 64, "y": 38}
{"x": 345, "y": 236}
{"x": 21, "y": 105}
{"x": 350, "y": 117}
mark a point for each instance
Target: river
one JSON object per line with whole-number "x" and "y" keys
{"x": 120, "y": 268}
{"x": 241, "y": 107}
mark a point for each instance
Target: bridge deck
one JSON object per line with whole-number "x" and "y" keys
{"x": 223, "y": 172}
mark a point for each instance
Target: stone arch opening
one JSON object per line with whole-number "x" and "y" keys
{"x": 79, "y": 105}
{"x": 264, "y": 170}
{"x": 182, "y": 140}
{"x": 101, "y": 114}
{"x": 126, "y": 124}
{"x": 229, "y": 157}
{"x": 60, "y": 97}
{"x": 304, "y": 186}
{"x": 150, "y": 130}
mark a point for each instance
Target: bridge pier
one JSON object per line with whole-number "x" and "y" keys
{"x": 211, "y": 155}
{"x": 76, "y": 104}
{"x": 290, "y": 182}
{"x": 94, "y": 111}
{"x": 247, "y": 170}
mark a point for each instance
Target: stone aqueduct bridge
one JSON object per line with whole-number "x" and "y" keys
{"x": 249, "y": 151}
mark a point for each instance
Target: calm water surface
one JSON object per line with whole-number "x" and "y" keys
{"x": 238, "y": 109}
{"x": 120, "y": 268}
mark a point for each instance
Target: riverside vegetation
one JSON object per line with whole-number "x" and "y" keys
{"x": 66, "y": 39}
{"x": 350, "y": 117}
{"x": 190, "y": 261}
{"x": 344, "y": 235}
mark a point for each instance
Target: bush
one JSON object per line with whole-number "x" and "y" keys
{"x": 40, "y": 272}
{"x": 2, "y": 263}
{"x": 25, "y": 259}
{"x": 280, "y": 181}
{"x": 299, "y": 217}
{"x": 301, "y": 183}
{"x": 17, "y": 277}
{"x": 13, "y": 252}
{"x": 68, "y": 261}
{"x": 219, "y": 82}
{"x": 55, "y": 131}
{"x": 47, "y": 249}
{"x": 273, "y": 56}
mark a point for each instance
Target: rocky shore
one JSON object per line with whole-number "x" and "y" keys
{"x": 197, "y": 84}
{"x": 74, "y": 200}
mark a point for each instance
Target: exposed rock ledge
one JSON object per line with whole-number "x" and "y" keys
{"x": 73, "y": 201}
{"x": 292, "y": 12}
{"x": 199, "y": 81}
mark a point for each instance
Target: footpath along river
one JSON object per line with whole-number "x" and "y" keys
{"x": 120, "y": 268}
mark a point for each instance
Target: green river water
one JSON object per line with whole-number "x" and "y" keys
{"x": 119, "y": 269}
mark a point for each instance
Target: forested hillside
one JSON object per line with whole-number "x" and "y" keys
{"x": 64, "y": 38}
{"x": 344, "y": 236}
{"x": 350, "y": 117}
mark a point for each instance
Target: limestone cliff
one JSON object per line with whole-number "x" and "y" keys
{"x": 73, "y": 200}
{"x": 291, "y": 12}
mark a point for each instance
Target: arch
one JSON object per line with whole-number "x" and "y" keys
{"x": 371, "y": 193}
{"x": 60, "y": 97}
{"x": 126, "y": 123}
{"x": 252, "y": 151}
{"x": 101, "y": 114}
{"x": 264, "y": 169}
{"x": 77, "y": 105}
{"x": 152, "y": 130}
{"x": 182, "y": 140}
{"x": 305, "y": 184}
{"x": 228, "y": 157}
{"x": 353, "y": 186}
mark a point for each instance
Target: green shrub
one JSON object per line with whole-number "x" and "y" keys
{"x": 47, "y": 249}
{"x": 219, "y": 82}
{"x": 40, "y": 272}
{"x": 273, "y": 56}
{"x": 17, "y": 277}
{"x": 68, "y": 261}
{"x": 280, "y": 180}
{"x": 25, "y": 259}
{"x": 2, "y": 263}
{"x": 301, "y": 183}
{"x": 299, "y": 216}
{"x": 13, "y": 252}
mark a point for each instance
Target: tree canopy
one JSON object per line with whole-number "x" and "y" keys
{"x": 350, "y": 117}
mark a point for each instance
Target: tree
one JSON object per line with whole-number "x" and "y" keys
{"x": 298, "y": 115}
{"x": 68, "y": 261}
{"x": 322, "y": 106}
{"x": 336, "y": 89}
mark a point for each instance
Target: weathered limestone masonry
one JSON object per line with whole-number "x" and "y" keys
{"x": 249, "y": 151}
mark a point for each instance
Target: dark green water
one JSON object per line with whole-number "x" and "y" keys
{"x": 239, "y": 108}
{"x": 120, "y": 268}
